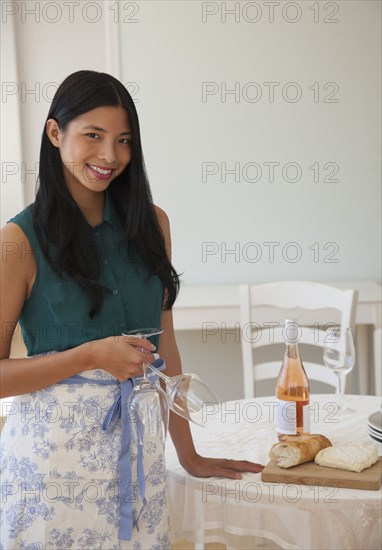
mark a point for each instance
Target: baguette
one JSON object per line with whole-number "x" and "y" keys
{"x": 297, "y": 449}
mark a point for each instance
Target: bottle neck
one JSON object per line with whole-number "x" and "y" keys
{"x": 291, "y": 351}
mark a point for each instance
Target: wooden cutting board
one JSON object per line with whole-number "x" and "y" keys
{"x": 312, "y": 474}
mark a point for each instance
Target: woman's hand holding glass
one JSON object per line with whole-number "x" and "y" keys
{"x": 120, "y": 356}
{"x": 186, "y": 395}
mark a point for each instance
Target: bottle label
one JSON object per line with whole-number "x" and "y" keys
{"x": 306, "y": 418}
{"x": 286, "y": 417}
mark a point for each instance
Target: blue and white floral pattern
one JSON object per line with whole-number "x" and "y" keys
{"x": 59, "y": 478}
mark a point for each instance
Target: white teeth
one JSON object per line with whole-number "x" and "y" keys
{"x": 99, "y": 170}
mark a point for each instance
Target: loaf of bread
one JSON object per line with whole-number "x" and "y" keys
{"x": 355, "y": 457}
{"x": 297, "y": 449}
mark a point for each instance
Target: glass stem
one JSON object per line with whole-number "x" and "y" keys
{"x": 341, "y": 384}
{"x": 144, "y": 364}
{"x": 158, "y": 372}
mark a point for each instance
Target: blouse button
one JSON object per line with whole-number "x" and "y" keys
{"x": 105, "y": 262}
{"x": 115, "y": 292}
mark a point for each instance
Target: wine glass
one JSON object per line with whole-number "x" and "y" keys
{"x": 339, "y": 355}
{"x": 147, "y": 402}
{"x": 187, "y": 395}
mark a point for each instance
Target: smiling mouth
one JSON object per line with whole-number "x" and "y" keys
{"x": 102, "y": 171}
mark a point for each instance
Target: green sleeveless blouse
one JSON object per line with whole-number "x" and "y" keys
{"x": 56, "y": 315}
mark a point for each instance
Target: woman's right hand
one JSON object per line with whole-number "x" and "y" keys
{"x": 120, "y": 356}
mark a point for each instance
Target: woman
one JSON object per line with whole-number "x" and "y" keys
{"x": 88, "y": 260}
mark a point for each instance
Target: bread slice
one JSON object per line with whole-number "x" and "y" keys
{"x": 354, "y": 457}
{"x": 297, "y": 449}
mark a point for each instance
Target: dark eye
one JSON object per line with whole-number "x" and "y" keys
{"x": 125, "y": 141}
{"x": 93, "y": 135}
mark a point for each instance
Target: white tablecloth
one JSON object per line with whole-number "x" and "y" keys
{"x": 249, "y": 513}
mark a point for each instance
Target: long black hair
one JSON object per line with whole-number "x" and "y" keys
{"x": 59, "y": 222}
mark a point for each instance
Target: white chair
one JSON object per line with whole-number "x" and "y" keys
{"x": 263, "y": 309}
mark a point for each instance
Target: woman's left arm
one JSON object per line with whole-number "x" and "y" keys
{"x": 180, "y": 431}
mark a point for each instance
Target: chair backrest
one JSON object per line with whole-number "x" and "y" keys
{"x": 315, "y": 306}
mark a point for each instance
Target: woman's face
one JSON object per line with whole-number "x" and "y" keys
{"x": 95, "y": 148}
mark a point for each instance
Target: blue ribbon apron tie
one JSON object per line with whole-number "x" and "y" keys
{"x": 117, "y": 411}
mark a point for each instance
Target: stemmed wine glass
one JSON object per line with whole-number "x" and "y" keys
{"x": 147, "y": 402}
{"x": 187, "y": 396}
{"x": 339, "y": 355}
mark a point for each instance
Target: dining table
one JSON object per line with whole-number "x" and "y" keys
{"x": 249, "y": 513}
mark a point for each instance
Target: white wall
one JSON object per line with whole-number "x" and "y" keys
{"x": 170, "y": 52}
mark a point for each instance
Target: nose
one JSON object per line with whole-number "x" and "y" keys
{"x": 107, "y": 153}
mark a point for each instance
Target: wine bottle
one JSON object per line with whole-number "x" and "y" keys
{"x": 292, "y": 388}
